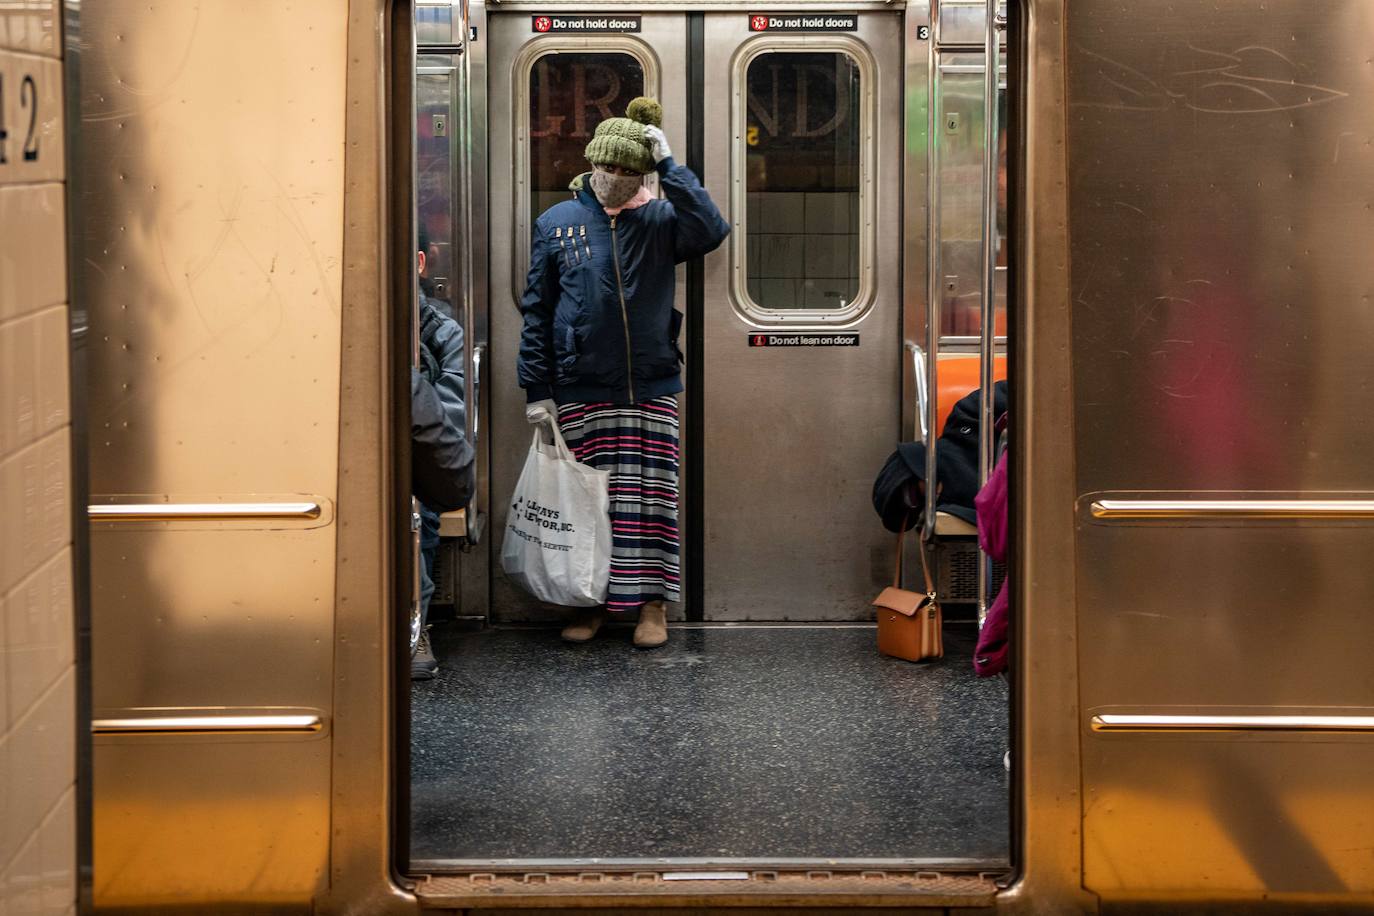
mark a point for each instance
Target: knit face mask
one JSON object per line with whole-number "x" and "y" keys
{"x": 614, "y": 190}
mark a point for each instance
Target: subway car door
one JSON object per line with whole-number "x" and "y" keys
{"x": 794, "y": 345}
{"x": 800, "y": 374}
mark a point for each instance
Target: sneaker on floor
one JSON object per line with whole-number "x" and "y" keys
{"x": 423, "y": 664}
{"x": 585, "y": 625}
{"x": 652, "y": 629}
{"x": 1006, "y": 761}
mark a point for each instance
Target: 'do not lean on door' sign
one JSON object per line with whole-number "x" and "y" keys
{"x": 803, "y": 22}
{"x": 548, "y": 23}
{"x": 757, "y": 339}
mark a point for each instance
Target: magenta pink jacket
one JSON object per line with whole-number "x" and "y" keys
{"x": 990, "y": 655}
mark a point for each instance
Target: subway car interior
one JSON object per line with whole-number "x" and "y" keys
{"x": 527, "y": 752}
{"x": 1055, "y": 312}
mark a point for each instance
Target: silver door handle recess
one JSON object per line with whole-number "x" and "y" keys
{"x": 1231, "y": 509}
{"x": 1111, "y": 722}
{"x": 200, "y": 512}
{"x": 206, "y": 725}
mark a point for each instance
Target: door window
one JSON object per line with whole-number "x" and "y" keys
{"x": 804, "y": 168}
{"x": 569, "y": 94}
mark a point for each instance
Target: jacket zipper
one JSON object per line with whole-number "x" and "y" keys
{"x": 624, "y": 314}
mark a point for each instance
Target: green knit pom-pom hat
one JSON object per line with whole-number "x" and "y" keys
{"x": 621, "y": 141}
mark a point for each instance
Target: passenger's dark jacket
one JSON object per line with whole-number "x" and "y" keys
{"x": 595, "y": 333}
{"x": 441, "y": 339}
{"x": 956, "y": 466}
{"x": 440, "y": 455}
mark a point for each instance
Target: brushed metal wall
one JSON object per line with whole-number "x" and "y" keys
{"x": 212, "y": 161}
{"x": 1220, "y": 170}
{"x": 793, "y": 435}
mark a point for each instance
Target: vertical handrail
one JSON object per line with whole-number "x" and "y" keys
{"x": 918, "y": 372}
{"x": 933, "y": 242}
{"x": 413, "y": 265}
{"x": 988, "y": 281}
{"x": 462, "y": 172}
{"x": 475, "y": 396}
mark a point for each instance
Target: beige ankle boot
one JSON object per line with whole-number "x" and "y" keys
{"x": 585, "y": 625}
{"x": 652, "y": 629}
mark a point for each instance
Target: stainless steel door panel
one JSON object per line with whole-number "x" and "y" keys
{"x": 1225, "y": 615}
{"x": 1220, "y": 326}
{"x": 662, "y": 43}
{"x": 794, "y": 435}
{"x": 1223, "y": 294}
{"x": 184, "y": 823}
{"x": 190, "y": 624}
{"x": 210, "y": 253}
{"x": 1245, "y": 817}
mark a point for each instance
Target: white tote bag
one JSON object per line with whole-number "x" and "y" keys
{"x": 558, "y": 532}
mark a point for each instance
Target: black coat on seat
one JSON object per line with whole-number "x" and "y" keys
{"x": 956, "y": 467}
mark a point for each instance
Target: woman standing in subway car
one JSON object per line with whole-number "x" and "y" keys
{"x": 599, "y": 348}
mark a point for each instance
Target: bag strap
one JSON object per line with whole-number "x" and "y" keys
{"x": 556, "y": 438}
{"x": 925, "y": 565}
{"x": 897, "y": 573}
{"x": 563, "y": 450}
{"x": 925, "y": 570}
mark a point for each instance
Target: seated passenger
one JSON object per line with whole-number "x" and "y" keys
{"x": 441, "y": 363}
{"x": 440, "y": 456}
{"x": 899, "y": 491}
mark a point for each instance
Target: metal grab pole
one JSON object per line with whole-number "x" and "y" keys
{"x": 463, "y": 220}
{"x": 933, "y": 237}
{"x": 918, "y": 372}
{"x": 988, "y": 281}
{"x": 413, "y": 267}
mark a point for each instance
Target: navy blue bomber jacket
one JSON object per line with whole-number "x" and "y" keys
{"x": 599, "y": 318}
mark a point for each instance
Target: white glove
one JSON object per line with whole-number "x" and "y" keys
{"x": 539, "y": 411}
{"x": 658, "y": 143}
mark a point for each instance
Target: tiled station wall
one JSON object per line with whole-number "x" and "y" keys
{"x": 37, "y": 668}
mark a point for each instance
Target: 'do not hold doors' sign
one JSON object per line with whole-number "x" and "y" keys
{"x": 803, "y": 22}
{"x": 563, "y": 24}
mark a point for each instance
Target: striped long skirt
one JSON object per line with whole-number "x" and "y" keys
{"x": 638, "y": 444}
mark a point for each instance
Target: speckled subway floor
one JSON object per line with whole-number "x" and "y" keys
{"x": 759, "y": 743}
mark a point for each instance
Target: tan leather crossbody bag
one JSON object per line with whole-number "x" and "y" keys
{"x": 909, "y": 623}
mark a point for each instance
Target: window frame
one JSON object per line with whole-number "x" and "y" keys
{"x": 750, "y": 312}
{"x": 523, "y": 65}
